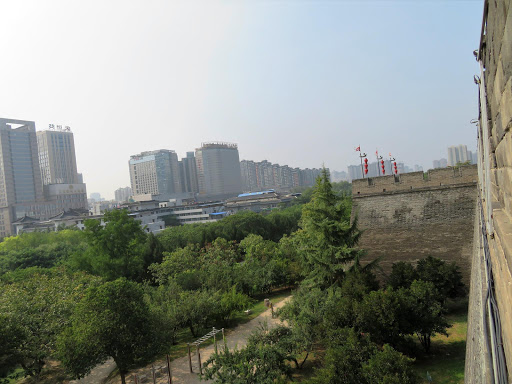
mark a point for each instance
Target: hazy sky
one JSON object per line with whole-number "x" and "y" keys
{"x": 294, "y": 82}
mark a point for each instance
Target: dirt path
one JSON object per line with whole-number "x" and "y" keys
{"x": 180, "y": 367}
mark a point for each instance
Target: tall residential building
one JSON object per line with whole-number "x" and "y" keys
{"x": 21, "y": 189}
{"x": 57, "y": 158}
{"x": 218, "y": 170}
{"x": 263, "y": 175}
{"x": 155, "y": 173}
{"x": 441, "y": 163}
{"x": 473, "y": 157}
{"x": 457, "y": 154}
{"x": 122, "y": 194}
{"x": 188, "y": 173}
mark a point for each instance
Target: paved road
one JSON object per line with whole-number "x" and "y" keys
{"x": 180, "y": 367}
{"x": 98, "y": 374}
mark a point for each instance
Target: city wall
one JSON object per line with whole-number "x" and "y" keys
{"x": 408, "y": 217}
{"x": 496, "y": 55}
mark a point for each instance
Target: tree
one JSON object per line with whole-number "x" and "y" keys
{"x": 115, "y": 249}
{"x": 198, "y": 309}
{"x": 426, "y": 311}
{"x": 34, "y": 311}
{"x": 291, "y": 343}
{"x": 385, "y": 315}
{"x": 305, "y": 313}
{"x": 341, "y": 310}
{"x": 165, "y": 305}
{"x": 231, "y": 302}
{"x": 402, "y": 275}
{"x": 12, "y": 336}
{"x": 344, "y": 357}
{"x": 111, "y": 320}
{"x": 176, "y": 263}
{"x": 255, "y": 364}
{"x": 326, "y": 241}
{"x": 389, "y": 367}
{"x": 445, "y": 277}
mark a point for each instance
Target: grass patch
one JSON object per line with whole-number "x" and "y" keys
{"x": 446, "y": 361}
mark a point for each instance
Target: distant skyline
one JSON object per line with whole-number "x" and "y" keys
{"x": 295, "y": 82}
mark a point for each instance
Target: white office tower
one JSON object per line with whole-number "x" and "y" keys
{"x": 457, "y": 154}
{"x": 155, "y": 173}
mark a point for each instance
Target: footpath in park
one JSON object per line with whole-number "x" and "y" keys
{"x": 180, "y": 367}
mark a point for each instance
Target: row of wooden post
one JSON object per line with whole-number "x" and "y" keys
{"x": 153, "y": 373}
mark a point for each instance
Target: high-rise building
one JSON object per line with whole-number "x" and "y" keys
{"x": 259, "y": 176}
{"x": 441, "y": 163}
{"x": 188, "y": 173}
{"x": 473, "y": 157}
{"x": 218, "y": 170}
{"x": 249, "y": 176}
{"x": 155, "y": 173}
{"x": 57, "y": 158}
{"x": 21, "y": 189}
{"x": 457, "y": 154}
{"x": 22, "y": 192}
{"x": 122, "y": 194}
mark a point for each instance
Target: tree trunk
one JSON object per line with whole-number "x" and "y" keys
{"x": 123, "y": 378}
{"x": 303, "y": 361}
{"x": 192, "y": 330}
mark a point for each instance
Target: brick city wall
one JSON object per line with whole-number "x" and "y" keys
{"x": 414, "y": 216}
{"x": 496, "y": 55}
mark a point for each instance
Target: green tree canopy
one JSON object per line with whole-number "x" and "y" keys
{"x": 326, "y": 241}
{"x": 116, "y": 249}
{"x": 111, "y": 320}
{"x": 36, "y": 309}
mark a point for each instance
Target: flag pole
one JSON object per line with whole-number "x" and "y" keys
{"x": 361, "y": 158}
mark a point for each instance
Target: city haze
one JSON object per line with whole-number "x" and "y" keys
{"x": 297, "y": 83}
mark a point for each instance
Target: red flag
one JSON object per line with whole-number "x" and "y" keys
{"x": 358, "y": 149}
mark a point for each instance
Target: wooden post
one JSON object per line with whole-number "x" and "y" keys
{"x": 189, "y": 359}
{"x": 153, "y": 373}
{"x": 135, "y": 379}
{"x": 169, "y": 369}
{"x": 272, "y": 309}
{"x": 199, "y": 360}
{"x": 214, "y": 340}
{"x": 224, "y": 338}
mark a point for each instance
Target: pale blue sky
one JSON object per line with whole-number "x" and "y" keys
{"x": 295, "y": 82}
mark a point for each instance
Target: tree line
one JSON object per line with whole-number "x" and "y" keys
{"x": 114, "y": 290}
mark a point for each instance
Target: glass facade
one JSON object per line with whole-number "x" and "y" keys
{"x": 22, "y": 166}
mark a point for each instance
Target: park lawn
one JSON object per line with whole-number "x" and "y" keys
{"x": 445, "y": 363}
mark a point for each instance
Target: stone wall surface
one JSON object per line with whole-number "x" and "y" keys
{"x": 496, "y": 55}
{"x": 412, "y": 216}
{"x": 478, "y": 357}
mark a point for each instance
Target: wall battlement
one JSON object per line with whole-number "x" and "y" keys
{"x": 433, "y": 179}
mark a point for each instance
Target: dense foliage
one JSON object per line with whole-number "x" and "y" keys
{"x": 82, "y": 296}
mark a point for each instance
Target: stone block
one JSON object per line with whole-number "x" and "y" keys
{"x": 504, "y": 176}
{"x": 506, "y": 48}
{"x": 499, "y": 83}
{"x": 506, "y": 105}
{"x": 503, "y": 151}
